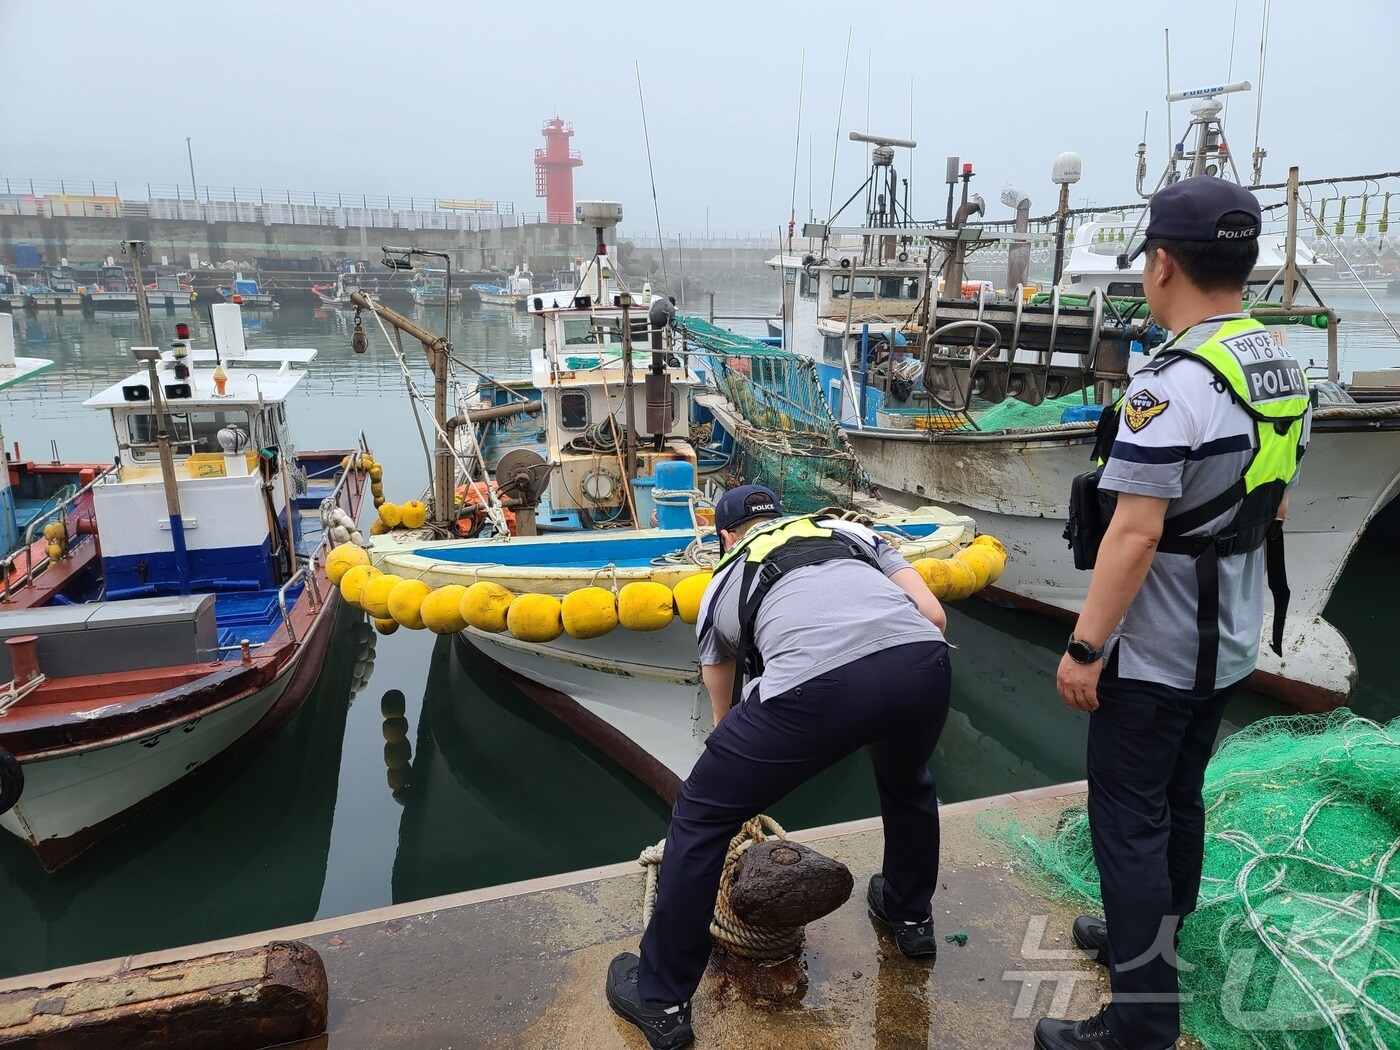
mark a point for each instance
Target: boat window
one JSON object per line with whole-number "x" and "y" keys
{"x": 911, "y": 288}
{"x": 807, "y": 285}
{"x": 841, "y": 286}
{"x": 889, "y": 287}
{"x": 1125, "y": 288}
{"x": 831, "y": 350}
{"x": 573, "y": 410}
{"x": 578, "y": 331}
{"x": 202, "y": 428}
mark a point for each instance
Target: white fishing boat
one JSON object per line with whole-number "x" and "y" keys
{"x": 248, "y": 293}
{"x": 113, "y": 290}
{"x": 346, "y": 284}
{"x": 596, "y": 501}
{"x": 169, "y": 291}
{"x": 12, "y": 292}
{"x": 515, "y": 292}
{"x": 57, "y": 289}
{"x": 176, "y": 609}
{"x": 987, "y": 407}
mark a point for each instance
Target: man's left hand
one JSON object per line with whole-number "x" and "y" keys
{"x": 1079, "y": 683}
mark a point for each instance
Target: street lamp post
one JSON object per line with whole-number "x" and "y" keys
{"x": 189, "y": 149}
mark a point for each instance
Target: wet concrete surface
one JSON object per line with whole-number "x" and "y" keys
{"x": 527, "y": 970}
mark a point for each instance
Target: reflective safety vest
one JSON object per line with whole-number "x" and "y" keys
{"x": 768, "y": 552}
{"x": 1270, "y": 386}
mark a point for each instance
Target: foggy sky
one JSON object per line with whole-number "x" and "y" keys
{"x": 447, "y": 99}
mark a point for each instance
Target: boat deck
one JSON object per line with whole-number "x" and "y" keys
{"x": 523, "y": 965}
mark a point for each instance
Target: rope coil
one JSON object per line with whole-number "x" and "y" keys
{"x": 760, "y": 943}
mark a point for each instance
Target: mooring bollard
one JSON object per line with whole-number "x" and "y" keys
{"x": 770, "y": 889}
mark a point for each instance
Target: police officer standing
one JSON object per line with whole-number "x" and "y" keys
{"x": 842, "y": 643}
{"x": 1199, "y": 456}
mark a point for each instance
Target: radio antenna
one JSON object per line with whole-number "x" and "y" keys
{"x": 840, "y": 112}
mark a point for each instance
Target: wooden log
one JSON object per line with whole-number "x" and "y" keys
{"x": 256, "y": 998}
{"x": 783, "y": 883}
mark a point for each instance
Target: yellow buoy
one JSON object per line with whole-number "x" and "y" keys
{"x": 390, "y": 514}
{"x": 589, "y": 612}
{"x": 935, "y": 574}
{"x": 687, "y": 595}
{"x": 988, "y": 540}
{"x": 484, "y": 606}
{"x": 376, "y": 473}
{"x": 377, "y": 528}
{"x": 962, "y": 579}
{"x": 535, "y": 618}
{"x": 406, "y": 601}
{"x": 54, "y": 550}
{"x": 352, "y": 584}
{"x": 981, "y": 561}
{"x": 374, "y": 599}
{"x": 56, "y": 531}
{"x": 413, "y": 513}
{"x": 344, "y": 558}
{"x": 376, "y": 489}
{"x": 385, "y": 626}
{"x": 645, "y": 606}
{"x": 442, "y": 610}
{"x": 393, "y": 703}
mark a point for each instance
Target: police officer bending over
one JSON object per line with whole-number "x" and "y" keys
{"x": 1199, "y": 454}
{"x": 845, "y": 649}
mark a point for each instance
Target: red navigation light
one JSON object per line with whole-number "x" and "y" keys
{"x": 967, "y": 169}
{"x": 182, "y": 330}
{"x": 1223, "y": 148}
{"x": 238, "y": 298}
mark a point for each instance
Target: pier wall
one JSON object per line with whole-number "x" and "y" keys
{"x": 84, "y": 239}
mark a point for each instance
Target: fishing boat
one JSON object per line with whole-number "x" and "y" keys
{"x": 57, "y": 289}
{"x": 13, "y": 295}
{"x": 113, "y": 290}
{"x": 249, "y": 293}
{"x": 515, "y": 292}
{"x": 178, "y": 608}
{"x": 430, "y": 289}
{"x": 169, "y": 290}
{"x": 989, "y": 407}
{"x": 610, "y": 466}
{"x": 345, "y": 285}
{"x": 28, "y": 490}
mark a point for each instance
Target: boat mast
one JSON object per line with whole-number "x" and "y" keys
{"x": 150, "y": 354}
{"x": 437, "y": 349}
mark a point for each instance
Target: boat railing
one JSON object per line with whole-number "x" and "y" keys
{"x": 307, "y": 572}
{"x": 31, "y": 570}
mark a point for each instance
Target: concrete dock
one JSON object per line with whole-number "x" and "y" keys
{"x": 522, "y": 965}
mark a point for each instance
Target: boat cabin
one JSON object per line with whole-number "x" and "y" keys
{"x": 227, "y": 424}
{"x": 582, "y": 379}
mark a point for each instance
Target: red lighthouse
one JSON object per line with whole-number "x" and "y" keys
{"x": 554, "y": 171}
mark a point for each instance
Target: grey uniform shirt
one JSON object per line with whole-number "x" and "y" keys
{"x": 815, "y": 618}
{"x": 1192, "y": 442}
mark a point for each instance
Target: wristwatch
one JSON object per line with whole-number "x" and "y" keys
{"x": 1082, "y": 652}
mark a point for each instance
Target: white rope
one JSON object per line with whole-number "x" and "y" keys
{"x": 1337, "y": 248}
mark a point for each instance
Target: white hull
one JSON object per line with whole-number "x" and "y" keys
{"x": 644, "y": 685}
{"x": 79, "y": 789}
{"x": 515, "y": 302}
{"x": 52, "y": 301}
{"x": 1017, "y": 489}
{"x": 112, "y": 300}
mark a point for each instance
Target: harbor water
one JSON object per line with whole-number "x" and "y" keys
{"x": 412, "y": 770}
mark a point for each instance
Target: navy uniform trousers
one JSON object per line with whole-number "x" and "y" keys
{"x": 894, "y": 702}
{"x": 1148, "y": 748}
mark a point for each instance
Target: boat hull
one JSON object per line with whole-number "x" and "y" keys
{"x": 1017, "y": 488}
{"x": 636, "y": 696}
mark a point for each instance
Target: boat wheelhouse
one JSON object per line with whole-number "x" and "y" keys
{"x": 113, "y": 290}
{"x": 248, "y": 293}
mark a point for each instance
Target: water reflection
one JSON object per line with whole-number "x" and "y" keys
{"x": 241, "y": 850}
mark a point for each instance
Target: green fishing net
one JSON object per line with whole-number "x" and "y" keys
{"x": 785, "y": 435}
{"x": 1017, "y": 415}
{"x": 1296, "y": 940}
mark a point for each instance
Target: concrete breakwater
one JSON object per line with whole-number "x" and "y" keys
{"x": 543, "y": 246}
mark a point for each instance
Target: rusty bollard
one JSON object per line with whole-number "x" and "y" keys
{"x": 773, "y": 889}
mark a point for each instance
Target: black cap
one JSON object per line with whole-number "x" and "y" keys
{"x": 740, "y": 504}
{"x": 1201, "y": 209}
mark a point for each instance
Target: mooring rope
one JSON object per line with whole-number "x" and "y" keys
{"x": 762, "y": 943}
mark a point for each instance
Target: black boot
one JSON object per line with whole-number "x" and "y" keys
{"x": 1092, "y": 1034}
{"x": 1091, "y": 935}
{"x": 915, "y": 939}
{"x": 665, "y": 1027}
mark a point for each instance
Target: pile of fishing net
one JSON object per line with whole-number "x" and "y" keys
{"x": 1296, "y": 941}
{"x": 1017, "y": 415}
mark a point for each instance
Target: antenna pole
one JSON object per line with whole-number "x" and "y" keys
{"x": 1171, "y": 157}
{"x": 840, "y": 111}
{"x": 1290, "y": 244}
